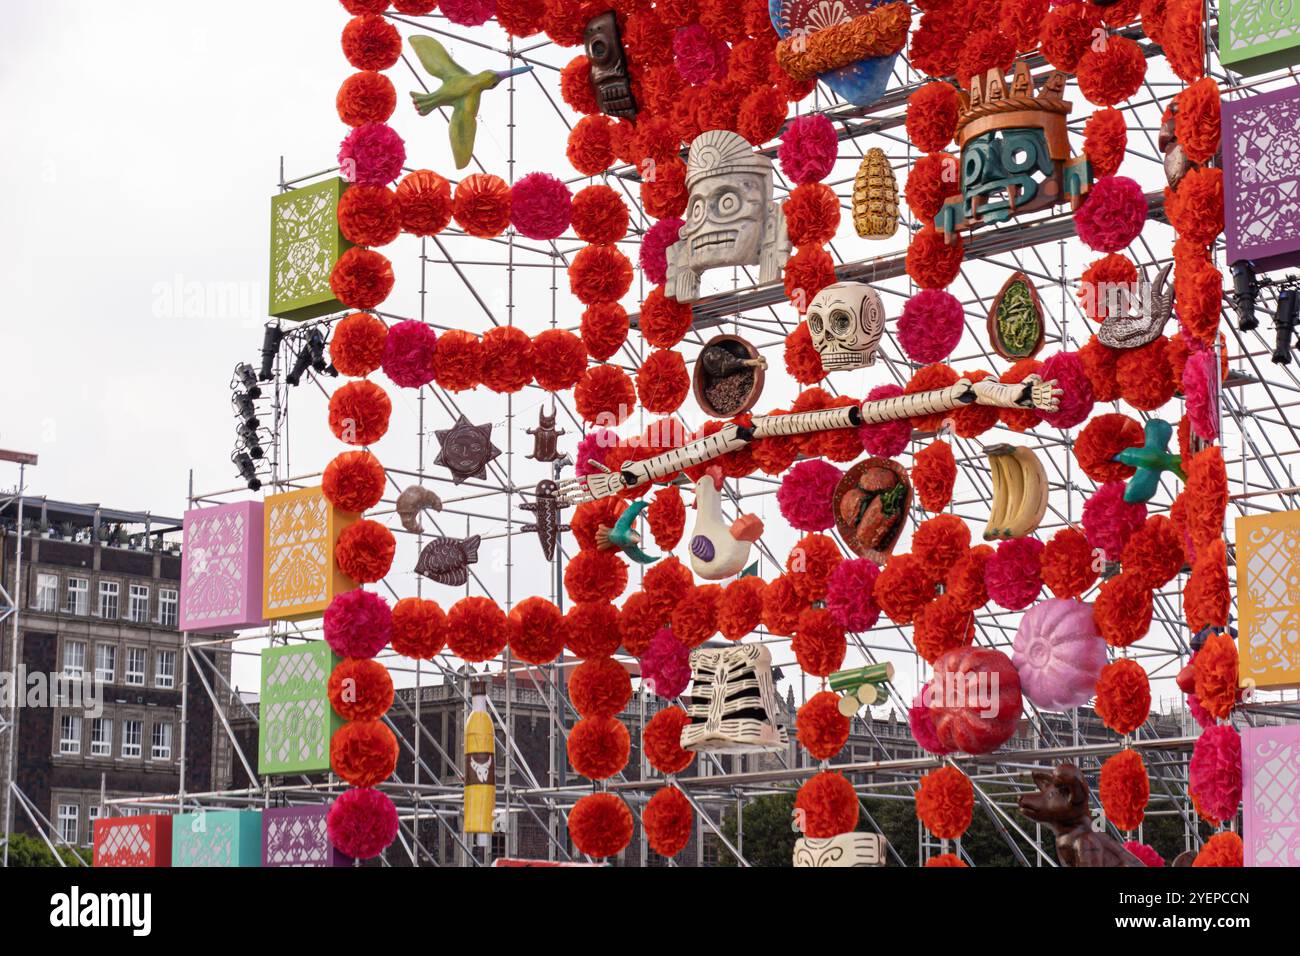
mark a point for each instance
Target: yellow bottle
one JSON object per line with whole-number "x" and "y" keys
{"x": 480, "y": 764}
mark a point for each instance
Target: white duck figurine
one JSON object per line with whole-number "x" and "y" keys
{"x": 719, "y": 550}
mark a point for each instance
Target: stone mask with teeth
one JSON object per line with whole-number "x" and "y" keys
{"x": 847, "y": 320}
{"x": 608, "y": 66}
{"x": 731, "y": 219}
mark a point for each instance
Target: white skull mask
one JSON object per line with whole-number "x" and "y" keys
{"x": 846, "y": 320}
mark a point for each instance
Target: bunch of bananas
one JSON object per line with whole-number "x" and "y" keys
{"x": 1019, "y": 492}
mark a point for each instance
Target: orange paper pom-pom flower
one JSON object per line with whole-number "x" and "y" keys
{"x": 931, "y": 261}
{"x": 364, "y": 551}
{"x": 1206, "y": 496}
{"x": 802, "y": 360}
{"x": 932, "y": 116}
{"x": 535, "y": 630}
{"x": 419, "y": 628}
{"x": 934, "y": 472}
{"x": 1195, "y": 208}
{"x": 740, "y": 608}
{"x": 354, "y": 481}
{"x": 669, "y": 821}
{"x": 604, "y": 330}
{"x": 1183, "y": 39}
{"x": 1215, "y": 666}
{"x": 1145, "y": 380}
{"x": 481, "y": 205}
{"x": 1207, "y": 599}
{"x": 662, "y": 381}
{"x": 782, "y": 606}
{"x": 366, "y": 97}
{"x": 1105, "y": 137}
{"x": 1069, "y": 564}
{"x": 507, "y": 354}
{"x": 1198, "y": 288}
{"x": 595, "y": 575}
{"x": 1020, "y": 419}
{"x": 821, "y": 728}
{"x": 695, "y": 618}
{"x": 939, "y": 542}
{"x": 476, "y": 629}
{"x": 360, "y": 689}
{"x": 664, "y": 321}
{"x": 903, "y": 586}
{"x": 1199, "y": 124}
{"x": 600, "y": 274}
{"x": 363, "y": 752}
{"x": 807, "y": 272}
{"x": 1100, "y": 366}
{"x": 667, "y": 517}
{"x": 925, "y": 379}
{"x": 559, "y": 359}
{"x": 1067, "y": 34}
{"x": 598, "y": 747}
{"x": 1222, "y": 849}
{"x": 605, "y": 395}
{"x": 357, "y": 344}
{"x": 945, "y": 801}
{"x": 827, "y": 805}
{"x": 600, "y": 825}
{"x": 1113, "y": 72}
{"x": 458, "y": 361}
{"x": 424, "y": 199}
{"x": 1101, "y": 440}
{"x": 930, "y": 182}
{"x": 809, "y": 565}
{"x": 818, "y": 644}
{"x": 361, "y": 278}
{"x": 1123, "y": 609}
{"x": 1124, "y": 789}
{"x": 592, "y": 629}
{"x": 940, "y": 626}
{"x": 812, "y": 214}
{"x": 965, "y": 580}
{"x": 590, "y": 150}
{"x": 1154, "y": 553}
{"x": 661, "y": 741}
{"x": 1123, "y": 696}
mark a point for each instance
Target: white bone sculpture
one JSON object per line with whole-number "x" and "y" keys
{"x": 846, "y": 320}
{"x": 731, "y": 218}
{"x": 733, "y": 707}
{"x": 844, "y": 850}
{"x": 1033, "y": 392}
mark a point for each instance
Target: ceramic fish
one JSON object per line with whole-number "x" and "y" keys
{"x": 447, "y": 560}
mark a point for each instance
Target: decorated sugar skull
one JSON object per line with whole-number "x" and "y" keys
{"x": 846, "y": 320}
{"x": 731, "y": 219}
{"x": 609, "y": 78}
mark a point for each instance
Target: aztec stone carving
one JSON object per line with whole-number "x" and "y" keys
{"x": 843, "y": 850}
{"x": 609, "y": 77}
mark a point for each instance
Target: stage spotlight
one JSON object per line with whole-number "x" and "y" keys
{"x": 251, "y": 441}
{"x": 247, "y": 470}
{"x": 1245, "y": 292}
{"x": 1284, "y": 322}
{"x": 270, "y": 346}
{"x": 300, "y": 366}
{"x": 246, "y": 378}
{"x": 316, "y": 346}
{"x": 244, "y": 408}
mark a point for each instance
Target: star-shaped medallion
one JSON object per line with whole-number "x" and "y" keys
{"x": 465, "y": 449}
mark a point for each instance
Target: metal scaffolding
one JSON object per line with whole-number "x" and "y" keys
{"x": 476, "y": 284}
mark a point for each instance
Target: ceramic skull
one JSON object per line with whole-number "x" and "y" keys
{"x": 608, "y": 66}
{"x": 846, "y": 320}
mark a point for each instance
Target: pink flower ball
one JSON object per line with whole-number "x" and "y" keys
{"x": 358, "y": 624}
{"x": 1202, "y": 716}
{"x": 887, "y": 438}
{"x": 1076, "y": 390}
{"x": 930, "y": 326}
{"x": 1199, "y": 391}
{"x": 540, "y": 206}
{"x": 1109, "y": 520}
{"x": 805, "y": 495}
{"x": 1112, "y": 214}
{"x": 850, "y": 594}
{"x": 468, "y": 13}
{"x": 1013, "y": 574}
{"x": 808, "y": 149}
{"x": 666, "y": 664}
{"x": 361, "y": 823}
{"x": 408, "y": 353}
{"x": 1214, "y": 774}
{"x": 654, "y": 249}
{"x": 372, "y": 155}
{"x": 698, "y": 56}
{"x": 1144, "y": 853}
{"x": 594, "y": 445}
{"x": 922, "y": 724}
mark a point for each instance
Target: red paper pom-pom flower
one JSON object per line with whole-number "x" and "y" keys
{"x": 695, "y": 618}
{"x": 1183, "y": 39}
{"x": 540, "y": 206}
{"x": 366, "y": 97}
{"x": 1206, "y": 494}
{"x": 664, "y": 321}
{"x": 935, "y": 46}
{"x": 932, "y": 116}
{"x": 600, "y": 274}
{"x": 810, "y": 563}
{"x": 662, "y": 381}
{"x": 1101, "y": 440}
{"x": 599, "y": 214}
{"x": 363, "y": 752}
{"x": 408, "y": 353}
{"x": 667, "y": 518}
{"x": 827, "y": 805}
{"x": 559, "y": 359}
{"x": 812, "y": 214}
{"x": 1124, "y": 789}
{"x": 983, "y": 50}
{"x": 598, "y": 747}
{"x": 353, "y": 481}
{"x": 802, "y": 360}
{"x": 1144, "y": 376}
{"x": 1123, "y": 609}
{"x": 821, "y": 728}
{"x": 476, "y": 629}
{"x": 782, "y": 606}
{"x": 481, "y": 205}
{"x": 1022, "y": 20}
{"x": 762, "y": 113}
{"x": 600, "y": 687}
{"x": 1109, "y": 520}
{"x": 638, "y": 622}
{"x": 357, "y": 344}
{"x": 941, "y": 626}
{"x": 604, "y": 329}
{"x": 808, "y": 148}
{"x": 931, "y": 261}
{"x": 818, "y": 643}
{"x": 661, "y": 741}
{"x": 361, "y": 278}
{"x": 1069, "y": 564}
{"x": 654, "y": 249}
{"x": 535, "y": 631}
{"x": 1014, "y": 575}
{"x": 364, "y": 552}
{"x": 425, "y": 201}
{"x": 1112, "y": 71}
{"x": 419, "y": 628}
{"x": 1195, "y": 208}
{"x": 361, "y": 823}
{"x": 664, "y": 197}
{"x": 595, "y": 575}
{"x": 1067, "y": 34}
{"x": 1216, "y": 669}
{"x": 669, "y": 821}
{"x": 945, "y": 802}
{"x": 369, "y": 215}
{"x": 946, "y": 859}
{"x": 1112, "y": 214}
{"x": 807, "y": 272}
{"x": 930, "y": 182}
{"x": 740, "y": 607}
{"x": 902, "y": 587}
{"x": 458, "y": 361}
{"x": 667, "y": 582}
{"x": 1222, "y": 849}
{"x": 468, "y": 13}
{"x": 1123, "y": 696}
{"x": 1101, "y": 365}
{"x": 930, "y": 326}
{"x": 357, "y": 623}
{"x": 939, "y": 542}
{"x": 360, "y": 689}
{"x": 1199, "y": 123}
{"x": 507, "y": 353}
{"x": 1106, "y": 286}
{"x": 666, "y": 665}
{"x": 600, "y": 825}
{"x": 371, "y": 43}
{"x": 372, "y": 155}
{"x": 1105, "y": 137}
{"x": 1066, "y": 368}
{"x": 1154, "y": 553}
{"x": 604, "y": 395}
{"x": 964, "y": 582}
{"x": 1146, "y": 854}
{"x": 575, "y": 86}
{"x": 805, "y": 495}
{"x": 519, "y": 18}
{"x": 1214, "y": 774}
{"x": 592, "y": 629}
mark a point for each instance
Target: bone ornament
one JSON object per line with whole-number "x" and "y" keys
{"x": 733, "y": 702}
{"x": 731, "y": 218}
{"x": 847, "y": 321}
{"x": 608, "y": 66}
{"x": 719, "y": 549}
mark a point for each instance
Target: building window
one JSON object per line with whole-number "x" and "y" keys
{"x": 47, "y": 593}
{"x": 78, "y": 596}
{"x": 101, "y": 737}
{"x": 162, "y": 742}
{"x": 74, "y": 659}
{"x": 137, "y": 608}
{"x": 135, "y": 664}
{"x": 69, "y": 734}
{"x": 168, "y": 605}
{"x": 164, "y": 672}
{"x": 132, "y": 731}
{"x": 108, "y": 591}
{"x": 105, "y": 663}
{"x": 92, "y": 814}
{"x": 68, "y": 816}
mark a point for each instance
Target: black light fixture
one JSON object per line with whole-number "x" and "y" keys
{"x": 250, "y": 441}
{"x": 1284, "y": 322}
{"x": 245, "y": 409}
{"x": 244, "y": 377}
{"x": 312, "y": 356}
{"x": 247, "y": 470}
{"x": 1245, "y": 292}
{"x": 270, "y": 347}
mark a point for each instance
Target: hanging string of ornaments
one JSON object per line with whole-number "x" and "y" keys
{"x": 696, "y": 68}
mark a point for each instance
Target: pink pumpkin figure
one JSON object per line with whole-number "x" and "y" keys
{"x": 1059, "y": 654}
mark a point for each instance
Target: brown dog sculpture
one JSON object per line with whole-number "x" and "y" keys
{"x": 1062, "y": 803}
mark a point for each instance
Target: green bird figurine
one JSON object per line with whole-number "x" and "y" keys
{"x": 460, "y": 89}
{"x": 623, "y": 537}
{"x": 1150, "y": 460}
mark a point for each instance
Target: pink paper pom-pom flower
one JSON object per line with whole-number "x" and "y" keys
{"x": 885, "y": 439}
{"x": 595, "y": 445}
{"x": 1214, "y": 774}
{"x": 654, "y": 249}
{"x": 1198, "y": 390}
{"x": 930, "y": 326}
{"x": 408, "y": 353}
{"x": 1144, "y": 853}
{"x": 849, "y": 594}
{"x": 1013, "y": 574}
{"x": 666, "y": 664}
{"x": 1109, "y": 520}
{"x": 698, "y": 56}
{"x": 1112, "y": 214}
{"x": 361, "y": 823}
{"x": 805, "y": 495}
{"x": 1076, "y": 390}
{"x": 358, "y": 623}
{"x": 922, "y": 724}
{"x": 1202, "y": 716}
{"x": 468, "y": 13}
{"x": 808, "y": 149}
{"x": 540, "y": 206}
{"x": 372, "y": 155}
